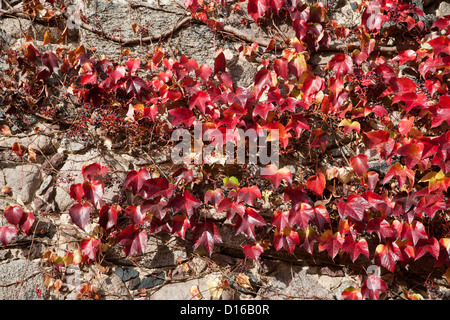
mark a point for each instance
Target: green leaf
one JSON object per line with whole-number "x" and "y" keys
{"x": 231, "y": 182}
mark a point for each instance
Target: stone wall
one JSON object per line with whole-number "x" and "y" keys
{"x": 169, "y": 269}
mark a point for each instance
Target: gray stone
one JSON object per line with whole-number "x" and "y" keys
{"x": 152, "y": 281}
{"x": 41, "y": 142}
{"x": 24, "y": 181}
{"x": 30, "y": 276}
{"x": 444, "y": 9}
{"x": 126, "y": 274}
{"x": 294, "y": 282}
{"x": 180, "y": 290}
{"x": 114, "y": 288}
{"x": 44, "y": 185}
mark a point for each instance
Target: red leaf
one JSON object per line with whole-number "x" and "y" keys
{"x": 80, "y": 214}
{"x": 76, "y": 192}
{"x": 133, "y": 65}
{"x": 135, "y": 179}
{"x": 372, "y": 287}
{"x": 182, "y": 115}
{"x": 93, "y": 191}
{"x": 401, "y": 172}
{"x": 89, "y": 248}
{"x": 331, "y": 242}
{"x": 442, "y": 112}
{"x": 246, "y": 223}
{"x": 440, "y": 44}
{"x": 200, "y": 99}
{"x": 206, "y": 234}
{"x": 360, "y": 164}
{"x": 17, "y": 148}
{"x": 27, "y": 223}
{"x": 135, "y": 214}
{"x": 107, "y": 217}
{"x": 133, "y": 239}
{"x": 180, "y": 224}
{"x": 412, "y": 151}
{"x": 371, "y": 180}
{"x": 248, "y": 194}
{"x": 50, "y": 60}
{"x": 383, "y": 228}
{"x": 376, "y": 137}
{"x": 387, "y": 255}
{"x": 414, "y": 231}
{"x": 316, "y": 183}
{"x": 118, "y": 74}
{"x": 282, "y": 219}
{"x": 89, "y": 79}
{"x": 281, "y": 67}
{"x": 89, "y": 172}
{"x": 185, "y": 203}
{"x": 14, "y": 214}
{"x": 430, "y": 245}
{"x": 152, "y": 188}
{"x": 276, "y": 5}
{"x": 321, "y": 216}
{"x": 204, "y": 72}
{"x": 357, "y": 248}
{"x": 262, "y": 79}
{"x": 287, "y": 239}
{"x": 354, "y": 207}
{"x": 7, "y": 234}
{"x": 253, "y": 251}
{"x": 219, "y": 62}
{"x": 231, "y": 207}
{"x": 275, "y": 175}
{"x": 263, "y": 110}
{"x": 214, "y": 196}
{"x": 341, "y": 64}
{"x": 136, "y": 85}
{"x": 405, "y": 56}
{"x": 298, "y": 123}
{"x": 256, "y": 8}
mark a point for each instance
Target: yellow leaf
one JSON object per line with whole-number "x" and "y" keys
{"x": 47, "y": 38}
{"x": 196, "y": 295}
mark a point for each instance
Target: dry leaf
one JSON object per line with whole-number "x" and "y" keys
{"x": 47, "y": 38}
{"x": 244, "y": 281}
{"x": 196, "y": 295}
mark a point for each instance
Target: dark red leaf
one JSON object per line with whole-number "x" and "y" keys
{"x": 93, "y": 191}
{"x": 14, "y": 214}
{"x": 206, "y": 234}
{"x": 185, "y": 203}
{"x": 76, "y": 192}
{"x": 80, "y": 214}
{"x": 248, "y": 194}
{"x": 354, "y": 207}
{"x": 246, "y": 223}
{"x": 107, "y": 217}
{"x": 7, "y": 234}
{"x": 180, "y": 224}
{"x": 27, "y": 223}
{"x": 134, "y": 240}
{"x": 135, "y": 179}
{"x": 257, "y": 8}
